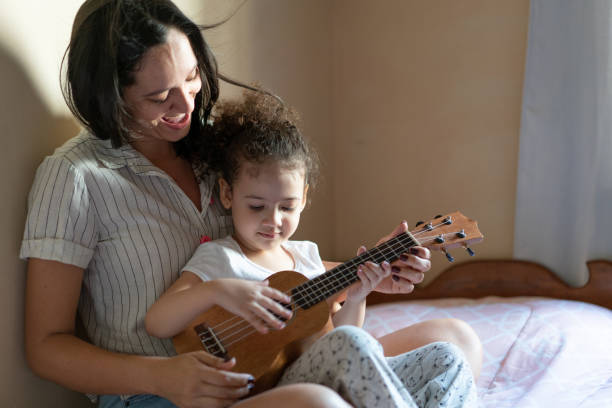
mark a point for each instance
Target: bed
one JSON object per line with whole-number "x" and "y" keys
{"x": 545, "y": 344}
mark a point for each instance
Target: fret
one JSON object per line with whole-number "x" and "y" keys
{"x": 377, "y": 256}
{"x": 333, "y": 281}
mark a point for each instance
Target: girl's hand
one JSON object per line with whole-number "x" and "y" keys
{"x": 408, "y": 270}
{"x": 255, "y": 302}
{"x": 370, "y": 275}
{"x": 199, "y": 379}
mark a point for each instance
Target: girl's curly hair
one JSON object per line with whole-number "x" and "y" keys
{"x": 258, "y": 128}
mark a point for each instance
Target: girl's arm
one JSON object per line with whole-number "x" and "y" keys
{"x": 189, "y": 296}
{"x": 352, "y": 311}
{"x": 55, "y": 353}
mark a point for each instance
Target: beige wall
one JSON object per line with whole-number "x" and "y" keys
{"x": 413, "y": 106}
{"x": 426, "y": 108}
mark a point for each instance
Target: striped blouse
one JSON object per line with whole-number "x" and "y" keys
{"x": 127, "y": 224}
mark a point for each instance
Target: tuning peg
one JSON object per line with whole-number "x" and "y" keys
{"x": 448, "y": 220}
{"x": 437, "y": 216}
{"x": 469, "y": 251}
{"x": 439, "y": 239}
{"x": 429, "y": 227}
{"x": 419, "y": 223}
{"x": 449, "y": 256}
{"x": 461, "y": 234}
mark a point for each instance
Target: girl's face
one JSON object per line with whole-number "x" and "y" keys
{"x": 161, "y": 99}
{"x": 266, "y": 201}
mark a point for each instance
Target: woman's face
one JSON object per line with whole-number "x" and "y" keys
{"x": 161, "y": 100}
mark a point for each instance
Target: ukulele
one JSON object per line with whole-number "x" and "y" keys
{"x": 265, "y": 356}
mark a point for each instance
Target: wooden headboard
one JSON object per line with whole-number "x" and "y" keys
{"x": 476, "y": 279}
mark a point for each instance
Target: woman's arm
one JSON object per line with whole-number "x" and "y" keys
{"x": 189, "y": 296}
{"x": 55, "y": 353}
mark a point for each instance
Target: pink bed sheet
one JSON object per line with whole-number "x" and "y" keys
{"x": 538, "y": 352}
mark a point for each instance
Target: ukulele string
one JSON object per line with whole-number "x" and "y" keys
{"x": 244, "y": 335}
{"x": 227, "y": 332}
{"x": 387, "y": 249}
{"x": 385, "y": 252}
{"x": 325, "y": 281}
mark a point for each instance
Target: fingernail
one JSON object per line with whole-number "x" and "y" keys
{"x": 395, "y": 277}
{"x": 250, "y": 386}
{"x": 403, "y": 257}
{"x": 385, "y": 264}
{"x": 395, "y": 269}
{"x": 251, "y": 380}
{"x": 414, "y": 251}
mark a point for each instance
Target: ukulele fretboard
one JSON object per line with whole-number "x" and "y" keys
{"x": 333, "y": 281}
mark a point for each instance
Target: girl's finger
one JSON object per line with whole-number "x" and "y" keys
{"x": 253, "y": 317}
{"x": 276, "y": 294}
{"x": 363, "y": 278}
{"x": 371, "y": 273}
{"x": 267, "y": 318}
{"x": 386, "y": 267}
{"x": 275, "y": 307}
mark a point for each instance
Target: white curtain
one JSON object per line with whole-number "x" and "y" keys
{"x": 564, "y": 190}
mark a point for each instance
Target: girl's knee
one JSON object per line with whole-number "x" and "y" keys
{"x": 464, "y": 336}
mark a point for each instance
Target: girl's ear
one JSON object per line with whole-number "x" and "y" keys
{"x": 304, "y": 197}
{"x": 225, "y": 193}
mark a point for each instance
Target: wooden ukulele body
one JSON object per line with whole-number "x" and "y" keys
{"x": 264, "y": 356}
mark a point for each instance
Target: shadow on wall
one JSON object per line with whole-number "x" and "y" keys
{"x": 29, "y": 133}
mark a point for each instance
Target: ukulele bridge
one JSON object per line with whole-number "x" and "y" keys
{"x": 210, "y": 341}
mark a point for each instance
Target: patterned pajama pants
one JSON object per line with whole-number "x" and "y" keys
{"x": 352, "y": 362}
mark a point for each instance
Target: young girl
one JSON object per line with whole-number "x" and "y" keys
{"x": 266, "y": 169}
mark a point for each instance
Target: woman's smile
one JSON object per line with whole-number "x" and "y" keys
{"x": 177, "y": 122}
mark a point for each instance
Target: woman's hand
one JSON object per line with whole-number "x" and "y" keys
{"x": 255, "y": 302}
{"x": 370, "y": 275}
{"x": 408, "y": 270}
{"x": 199, "y": 379}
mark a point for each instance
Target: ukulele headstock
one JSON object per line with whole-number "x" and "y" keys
{"x": 448, "y": 231}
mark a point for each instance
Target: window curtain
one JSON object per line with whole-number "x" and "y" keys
{"x": 564, "y": 187}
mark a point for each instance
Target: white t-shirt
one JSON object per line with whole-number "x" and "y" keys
{"x": 223, "y": 258}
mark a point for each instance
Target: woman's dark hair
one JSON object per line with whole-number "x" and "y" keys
{"x": 108, "y": 41}
{"x": 257, "y": 129}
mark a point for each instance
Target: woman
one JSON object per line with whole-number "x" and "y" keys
{"x": 118, "y": 210}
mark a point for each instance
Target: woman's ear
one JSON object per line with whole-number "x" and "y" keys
{"x": 225, "y": 193}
